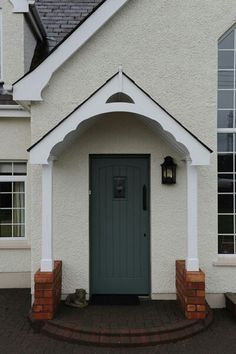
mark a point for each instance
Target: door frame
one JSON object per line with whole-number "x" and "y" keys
{"x": 118, "y": 156}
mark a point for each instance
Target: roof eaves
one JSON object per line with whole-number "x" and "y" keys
{"x": 35, "y": 17}
{"x": 74, "y": 110}
{"x": 177, "y": 121}
{"x": 60, "y": 43}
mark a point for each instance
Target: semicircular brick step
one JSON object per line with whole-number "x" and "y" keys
{"x": 129, "y": 337}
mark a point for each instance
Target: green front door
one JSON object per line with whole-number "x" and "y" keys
{"x": 119, "y": 241}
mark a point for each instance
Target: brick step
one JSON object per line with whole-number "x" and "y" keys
{"x": 181, "y": 325}
{"x": 125, "y": 337}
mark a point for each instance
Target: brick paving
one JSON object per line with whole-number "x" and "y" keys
{"x": 17, "y": 337}
{"x": 147, "y": 314}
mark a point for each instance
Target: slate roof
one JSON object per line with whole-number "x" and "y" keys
{"x": 60, "y": 17}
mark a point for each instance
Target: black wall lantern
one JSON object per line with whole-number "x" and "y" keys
{"x": 168, "y": 171}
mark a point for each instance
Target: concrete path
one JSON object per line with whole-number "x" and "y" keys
{"x": 16, "y": 336}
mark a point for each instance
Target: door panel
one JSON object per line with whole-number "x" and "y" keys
{"x": 119, "y": 250}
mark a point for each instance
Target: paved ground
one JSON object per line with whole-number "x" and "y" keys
{"x": 147, "y": 314}
{"x": 16, "y": 336}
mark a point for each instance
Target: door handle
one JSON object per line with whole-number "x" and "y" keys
{"x": 144, "y": 197}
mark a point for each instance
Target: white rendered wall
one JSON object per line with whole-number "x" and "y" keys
{"x": 15, "y": 256}
{"x": 12, "y": 43}
{"x": 171, "y": 52}
{"x": 14, "y": 138}
{"x": 29, "y": 46}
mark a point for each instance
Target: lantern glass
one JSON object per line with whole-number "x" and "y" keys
{"x": 168, "y": 171}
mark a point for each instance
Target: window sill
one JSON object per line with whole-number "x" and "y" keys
{"x": 14, "y": 244}
{"x": 225, "y": 261}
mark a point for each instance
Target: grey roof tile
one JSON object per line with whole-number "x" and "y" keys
{"x": 60, "y": 17}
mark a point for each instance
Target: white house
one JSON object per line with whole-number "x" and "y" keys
{"x": 94, "y": 97}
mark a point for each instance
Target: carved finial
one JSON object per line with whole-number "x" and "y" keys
{"x": 121, "y": 77}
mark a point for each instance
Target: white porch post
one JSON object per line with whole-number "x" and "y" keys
{"x": 47, "y": 218}
{"x": 192, "y": 261}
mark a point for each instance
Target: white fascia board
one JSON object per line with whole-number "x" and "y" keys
{"x": 30, "y": 87}
{"x": 143, "y": 106}
{"x": 13, "y": 111}
{"x": 21, "y": 6}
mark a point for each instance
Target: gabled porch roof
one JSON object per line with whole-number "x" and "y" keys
{"x": 121, "y": 94}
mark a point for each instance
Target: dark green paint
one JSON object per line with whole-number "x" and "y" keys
{"x": 120, "y": 240}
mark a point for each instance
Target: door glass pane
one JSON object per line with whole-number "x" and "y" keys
{"x": 5, "y": 200}
{"x": 225, "y": 142}
{"x": 225, "y": 183}
{"x": 225, "y": 224}
{"x": 227, "y": 42}
{"x": 119, "y": 187}
{"x": 226, "y": 244}
{"x": 225, "y": 99}
{"x": 226, "y": 60}
{"x": 225, "y": 203}
{"x": 225, "y": 163}
{"x": 226, "y": 79}
{"x": 5, "y": 230}
{"x": 5, "y": 216}
{"x": 225, "y": 119}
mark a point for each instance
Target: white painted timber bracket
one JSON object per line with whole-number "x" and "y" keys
{"x": 21, "y": 6}
{"x": 29, "y": 88}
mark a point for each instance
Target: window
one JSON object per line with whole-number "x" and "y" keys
{"x": 226, "y": 120}
{"x": 12, "y": 199}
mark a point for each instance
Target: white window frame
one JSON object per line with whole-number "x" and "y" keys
{"x": 232, "y": 131}
{"x": 22, "y": 178}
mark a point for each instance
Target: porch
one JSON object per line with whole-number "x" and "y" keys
{"x": 139, "y": 119}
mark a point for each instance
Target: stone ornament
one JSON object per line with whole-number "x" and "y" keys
{"x": 78, "y": 299}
